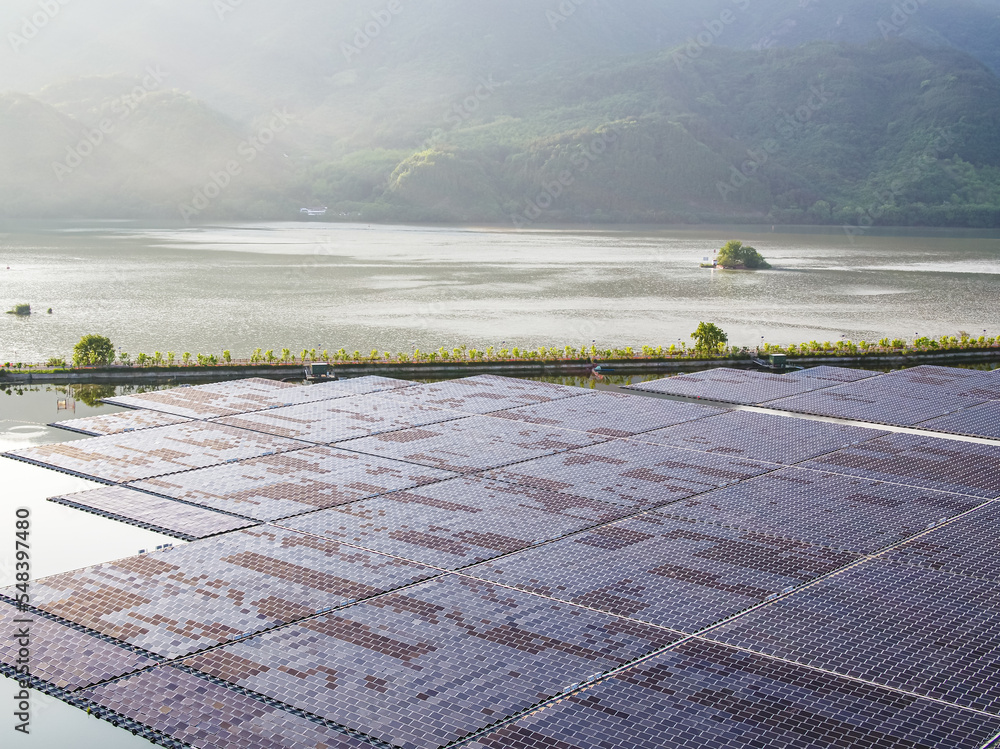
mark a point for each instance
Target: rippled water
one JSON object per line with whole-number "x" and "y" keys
{"x": 328, "y": 286}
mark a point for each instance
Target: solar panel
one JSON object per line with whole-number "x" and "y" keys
{"x": 948, "y": 465}
{"x": 341, "y": 389}
{"x": 903, "y": 626}
{"x": 280, "y": 486}
{"x": 610, "y": 414}
{"x": 675, "y": 573}
{"x": 331, "y": 421}
{"x": 703, "y": 696}
{"x": 121, "y": 458}
{"x": 207, "y": 401}
{"x": 632, "y": 474}
{"x": 849, "y": 513}
{"x": 759, "y": 436}
{"x": 968, "y": 382}
{"x": 458, "y": 522}
{"x": 208, "y": 592}
{"x": 425, "y": 667}
{"x": 486, "y": 393}
{"x": 475, "y": 443}
{"x": 978, "y": 421}
{"x": 865, "y": 401}
{"x": 733, "y": 385}
{"x": 118, "y": 423}
{"x": 198, "y": 712}
{"x": 61, "y": 656}
{"x": 154, "y": 513}
{"x": 966, "y": 547}
{"x": 834, "y": 375}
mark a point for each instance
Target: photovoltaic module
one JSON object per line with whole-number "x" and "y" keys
{"x": 490, "y": 563}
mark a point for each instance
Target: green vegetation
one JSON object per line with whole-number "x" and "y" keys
{"x": 735, "y": 254}
{"x": 709, "y": 338}
{"x": 472, "y": 114}
{"x": 710, "y": 343}
{"x": 93, "y": 350}
{"x": 21, "y": 310}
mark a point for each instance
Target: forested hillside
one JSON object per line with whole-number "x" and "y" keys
{"x": 839, "y": 111}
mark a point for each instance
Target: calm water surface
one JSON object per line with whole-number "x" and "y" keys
{"x": 328, "y": 286}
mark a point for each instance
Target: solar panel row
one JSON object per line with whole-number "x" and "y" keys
{"x": 957, "y": 401}
{"x": 155, "y": 513}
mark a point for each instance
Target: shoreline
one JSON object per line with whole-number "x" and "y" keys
{"x": 125, "y": 375}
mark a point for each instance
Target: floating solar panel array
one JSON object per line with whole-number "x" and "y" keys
{"x": 966, "y": 547}
{"x": 472, "y": 444}
{"x": 916, "y": 460}
{"x": 956, "y": 401}
{"x": 843, "y": 512}
{"x": 287, "y": 484}
{"x": 459, "y": 522}
{"x": 610, "y": 414}
{"x": 497, "y": 564}
{"x": 208, "y": 401}
{"x": 172, "y": 705}
{"x": 60, "y": 657}
{"x": 118, "y": 423}
{"x": 487, "y": 393}
{"x": 881, "y": 400}
{"x": 201, "y": 594}
{"x": 978, "y": 421}
{"x": 727, "y": 385}
{"x": 183, "y": 521}
{"x": 919, "y": 630}
{"x": 427, "y": 666}
{"x": 761, "y": 436}
{"x": 633, "y": 474}
{"x": 330, "y": 421}
{"x": 245, "y": 396}
{"x": 705, "y": 696}
{"x": 678, "y": 573}
{"x": 134, "y": 456}
{"x": 833, "y": 375}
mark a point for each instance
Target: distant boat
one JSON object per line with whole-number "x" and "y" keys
{"x": 313, "y": 211}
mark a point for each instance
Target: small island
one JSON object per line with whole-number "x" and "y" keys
{"x": 737, "y": 256}
{"x": 21, "y": 310}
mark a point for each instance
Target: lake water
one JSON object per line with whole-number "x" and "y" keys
{"x": 304, "y": 285}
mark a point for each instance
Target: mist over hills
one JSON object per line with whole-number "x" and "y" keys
{"x": 520, "y": 111}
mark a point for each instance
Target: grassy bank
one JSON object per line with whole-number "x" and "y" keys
{"x": 462, "y": 361}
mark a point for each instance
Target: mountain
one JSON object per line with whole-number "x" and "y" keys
{"x": 506, "y": 110}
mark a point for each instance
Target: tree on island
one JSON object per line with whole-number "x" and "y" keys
{"x": 93, "y": 350}
{"x": 737, "y": 255}
{"x": 710, "y": 338}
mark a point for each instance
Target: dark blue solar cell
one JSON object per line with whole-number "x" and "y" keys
{"x": 701, "y": 695}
